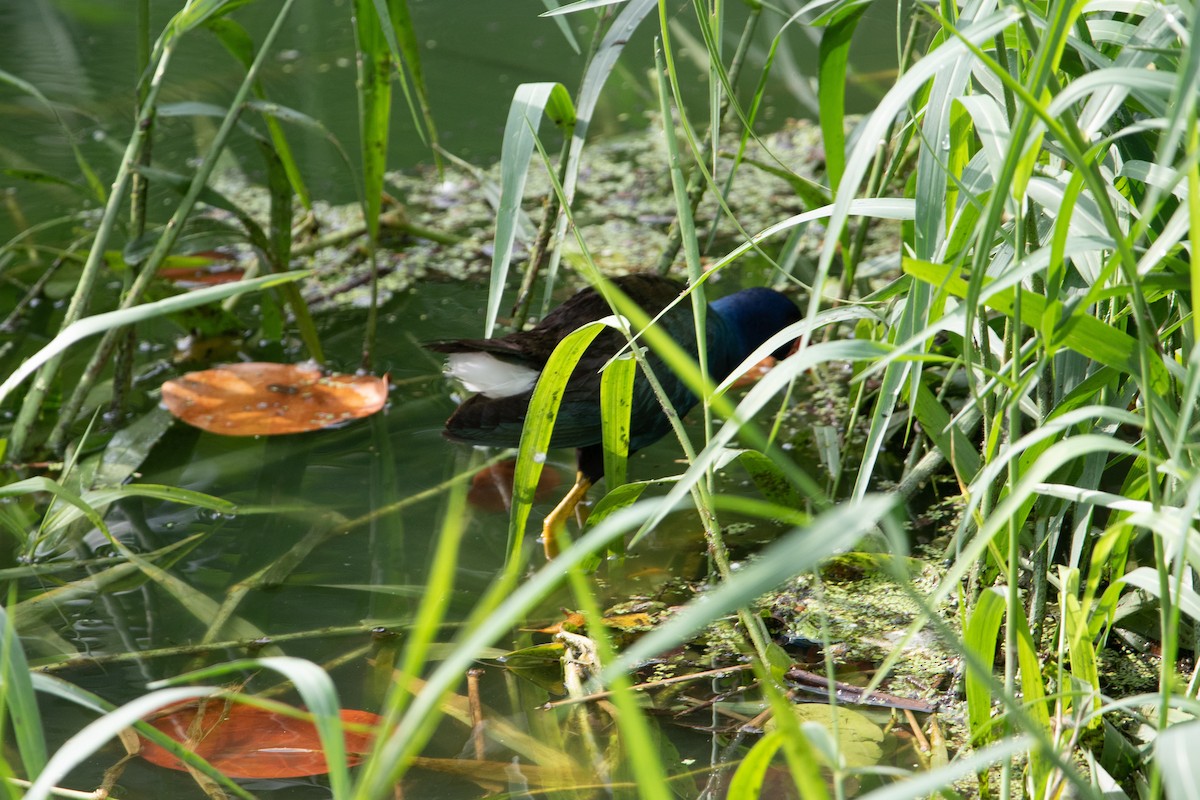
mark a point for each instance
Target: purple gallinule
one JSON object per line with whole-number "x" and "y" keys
{"x": 502, "y": 371}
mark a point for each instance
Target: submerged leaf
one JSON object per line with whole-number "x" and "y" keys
{"x": 858, "y": 738}
{"x": 244, "y": 741}
{"x": 492, "y": 487}
{"x": 263, "y": 399}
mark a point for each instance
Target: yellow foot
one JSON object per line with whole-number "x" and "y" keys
{"x": 555, "y": 524}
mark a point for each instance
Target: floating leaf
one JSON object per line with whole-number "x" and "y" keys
{"x": 244, "y": 741}
{"x": 205, "y": 274}
{"x": 262, "y": 399}
{"x": 858, "y": 738}
{"x": 492, "y": 487}
{"x": 752, "y": 375}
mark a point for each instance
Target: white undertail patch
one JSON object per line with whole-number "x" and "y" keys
{"x": 489, "y": 376}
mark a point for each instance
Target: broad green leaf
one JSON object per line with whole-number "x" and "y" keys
{"x": 1033, "y": 692}
{"x": 620, "y": 497}
{"x": 128, "y": 448}
{"x": 844, "y": 736}
{"x": 616, "y": 403}
{"x": 832, "y": 59}
{"x": 19, "y": 701}
{"x": 958, "y": 450}
{"x": 1083, "y": 653}
{"x": 981, "y": 637}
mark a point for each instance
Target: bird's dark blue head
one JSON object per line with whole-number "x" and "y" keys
{"x": 755, "y": 315}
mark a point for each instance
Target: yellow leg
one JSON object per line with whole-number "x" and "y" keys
{"x": 556, "y": 521}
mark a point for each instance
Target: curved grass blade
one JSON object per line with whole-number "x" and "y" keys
{"x": 94, "y": 183}
{"x": 90, "y": 326}
{"x": 578, "y": 5}
{"x": 938, "y": 781}
{"x": 1080, "y": 332}
{"x": 29, "y": 612}
{"x": 236, "y": 39}
{"x": 981, "y": 637}
{"x": 166, "y": 242}
{"x": 530, "y": 103}
{"x": 598, "y": 71}
{"x": 772, "y": 384}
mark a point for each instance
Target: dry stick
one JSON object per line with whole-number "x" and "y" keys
{"x": 133, "y": 746}
{"x": 475, "y": 705}
{"x": 170, "y": 234}
{"x": 697, "y": 185}
{"x": 59, "y": 791}
{"x": 503, "y": 733}
{"x": 922, "y": 742}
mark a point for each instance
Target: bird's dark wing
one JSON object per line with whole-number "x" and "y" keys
{"x": 495, "y": 422}
{"x": 513, "y": 347}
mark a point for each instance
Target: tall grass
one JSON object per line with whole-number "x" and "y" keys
{"x": 1034, "y": 347}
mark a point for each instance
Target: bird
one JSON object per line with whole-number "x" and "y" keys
{"x": 503, "y": 371}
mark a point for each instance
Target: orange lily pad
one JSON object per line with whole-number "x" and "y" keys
{"x": 245, "y": 741}
{"x": 262, "y": 399}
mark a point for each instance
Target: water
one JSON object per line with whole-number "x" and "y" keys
{"x": 81, "y": 56}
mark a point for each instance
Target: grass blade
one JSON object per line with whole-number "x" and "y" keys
{"x": 90, "y": 326}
